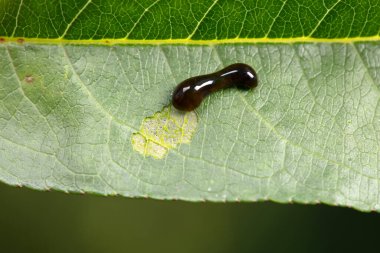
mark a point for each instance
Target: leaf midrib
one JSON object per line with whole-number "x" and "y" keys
{"x": 187, "y": 41}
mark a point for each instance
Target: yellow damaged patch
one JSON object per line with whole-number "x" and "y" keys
{"x": 164, "y": 131}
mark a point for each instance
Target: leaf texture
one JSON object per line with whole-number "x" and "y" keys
{"x": 308, "y": 133}
{"x": 199, "y": 20}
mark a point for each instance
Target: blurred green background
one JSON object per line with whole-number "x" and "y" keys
{"x": 33, "y": 221}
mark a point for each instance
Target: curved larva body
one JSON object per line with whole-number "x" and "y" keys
{"x": 189, "y": 94}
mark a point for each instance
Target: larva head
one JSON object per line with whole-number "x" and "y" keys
{"x": 243, "y": 77}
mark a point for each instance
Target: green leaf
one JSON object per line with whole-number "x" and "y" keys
{"x": 217, "y": 19}
{"x": 97, "y": 118}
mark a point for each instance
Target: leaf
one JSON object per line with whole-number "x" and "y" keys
{"x": 203, "y": 20}
{"x": 308, "y": 133}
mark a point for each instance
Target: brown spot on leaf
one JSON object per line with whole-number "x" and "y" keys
{"x": 2, "y": 40}
{"x": 29, "y": 79}
{"x": 20, "y": 40}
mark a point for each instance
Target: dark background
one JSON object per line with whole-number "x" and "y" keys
{"x": 33, "y": 221}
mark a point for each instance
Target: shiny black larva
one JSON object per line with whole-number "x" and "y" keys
{"x": 189, "y": 94}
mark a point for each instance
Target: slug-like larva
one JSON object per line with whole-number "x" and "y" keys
{"x": 189, "y": 94}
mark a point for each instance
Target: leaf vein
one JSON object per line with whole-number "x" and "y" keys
{"x": 201, "y": 20}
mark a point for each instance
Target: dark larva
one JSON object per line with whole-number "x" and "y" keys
{"x": 189, "y": 94}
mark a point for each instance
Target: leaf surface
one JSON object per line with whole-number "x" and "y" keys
{"x": 308, "y": 133}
